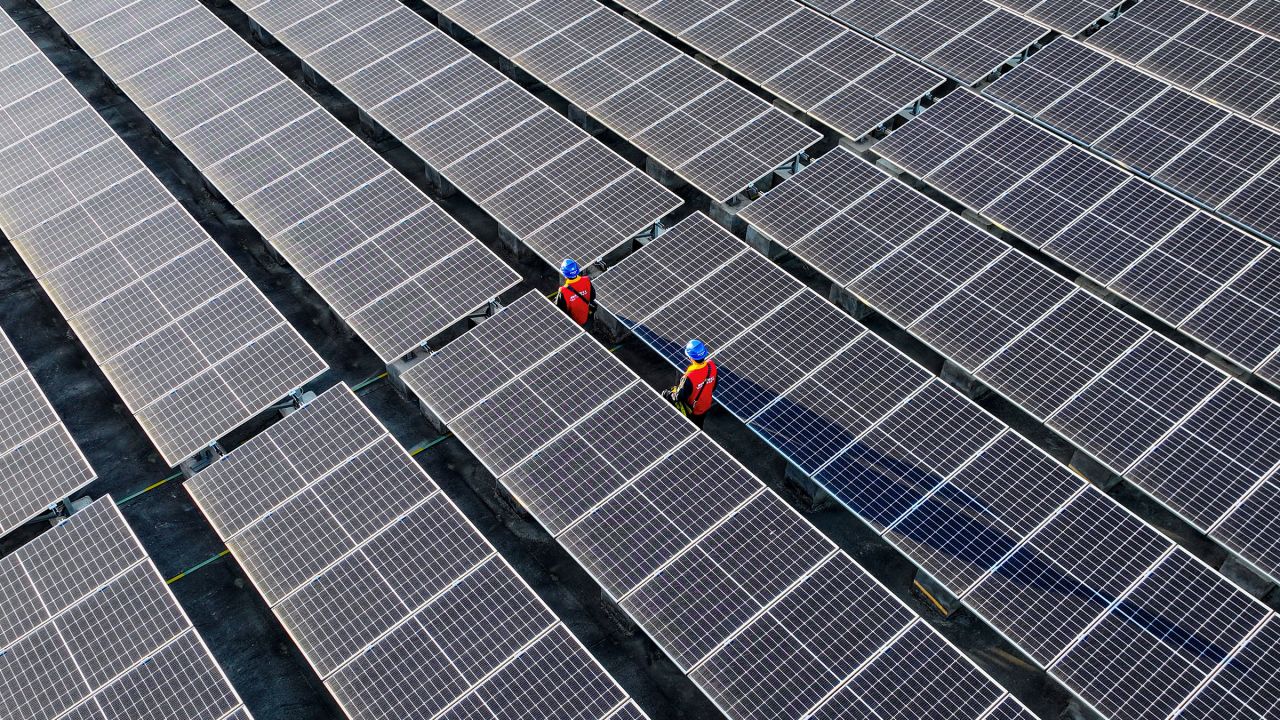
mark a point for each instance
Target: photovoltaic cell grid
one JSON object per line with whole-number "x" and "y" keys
{"x": 1260, "y": 15}
{"x": 397, "y": 601}
{"x": 963, "y": 39}
{"x": 39, "y": 462}
{"x": 761, "y": 611}
{"x": 1048, "y": 560}
{"x": 90, "y": 631}
{"x": 840, "y": 78}
{"x": 548, "y": 182}
{"x": 385, "y": 258}
{"x": 1204, "y": 277}
{"x": 709, "y": 131}
{"x": 1203, "y": 447}
{"x": 190, "y": 344}
{"x": 1213, "y": 157}
{"x": 1201, "y": 52}
{"x": 1069, "y": 17}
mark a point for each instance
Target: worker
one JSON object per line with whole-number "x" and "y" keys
{"x": 576, "y": 296}
{"x": 692, "y": 396}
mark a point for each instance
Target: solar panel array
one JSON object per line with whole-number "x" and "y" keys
{"x": 1260, "y": 15}
{"x": 549, "y": 183}
{"x": 1203, "y": 446}
{"x": 762, "y": 612}
{"x": 397, "y": 601}
{"x": 386, "y": 259}
{"x": 1200, "y": 52}
{"x": 1069, "y": 17}
{"x": 39, "y": 462}
{"x": 835, "y": 75}
{"x": 715, "y": 135}
{"x": 1213, "y": 157}
{"x": 1116, "y": 611}
{"x": 1211, "y": 281}
{"x": 191, "y": 346}
{"x": 963, "y": 39}
{"x": 90, "y": 631}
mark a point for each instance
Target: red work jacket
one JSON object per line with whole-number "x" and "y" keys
{"x": 697, "y": 386}
{"x": 576, "y": 297}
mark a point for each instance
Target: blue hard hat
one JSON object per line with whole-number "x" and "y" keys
{"x": 695, "y": 350}
{"x": 569, "y": 268}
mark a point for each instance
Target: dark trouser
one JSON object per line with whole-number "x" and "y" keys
{"x": 698, "y": 420}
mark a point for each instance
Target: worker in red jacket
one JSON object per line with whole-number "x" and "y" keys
{"x": 576, "y": 296}
{"x": 692, "y": 396}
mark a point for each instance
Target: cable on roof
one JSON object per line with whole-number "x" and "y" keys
{"x": 367, "y": 382}
{"x": 423, "y": 447}
{"x": 147, "y": 489}
{"x": 225, "y": 552}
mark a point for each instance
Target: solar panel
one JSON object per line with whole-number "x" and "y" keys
{"x": 527, "y": 166}
{"x": 1061, "y": 354}
{"x": 192, "y": 347}
{"x": 393, "y": 596}
{"x": 1256, "y": 14}
{"x": 1208, "y": 155}
{"x": 918, "y": 658}
{"x": 1069, "y": 17}
{"x": 90, "y": 630}
{"x": 835, "y": 75}
{"x": 765, "y": 615}
{"x": 1030, "y": 546}
{"x": 1198, "y": 51}
{"x": 1211, "y": 281}
{"x": 40, "y": 463}
{"x": 713, "y": 134}
{"x": 966, "y": 40}
{"x": 383, "y": 256}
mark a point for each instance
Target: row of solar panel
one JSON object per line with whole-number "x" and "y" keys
{"x": 1199, "y": 51}
{"x": 383, "y": 256}
{"x": 1075, "y": 17}
{"x": 762, "y": 16}
{"x": 761, "y": 610}
{"x": 549, "y": 183}
{"x": 967, "y": 40}
{"x": 838, "y": 77}
{"x": 1184, "y": 43}
{"x": 807, "y": 60}
{"x": 712, "y": 133}
{"x": 90, "y": 631}
{"x": 1133, "y": 624}
{"x": 1174, "y": 425}
{"x": 1208, "y": 279}
{"x": 1215, "y": 158}
{"x": 193, "y": 348}
{"x": 39, "y": 462}
{"x": 396, "y": 600}
{"x": 1257, "y": 14}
